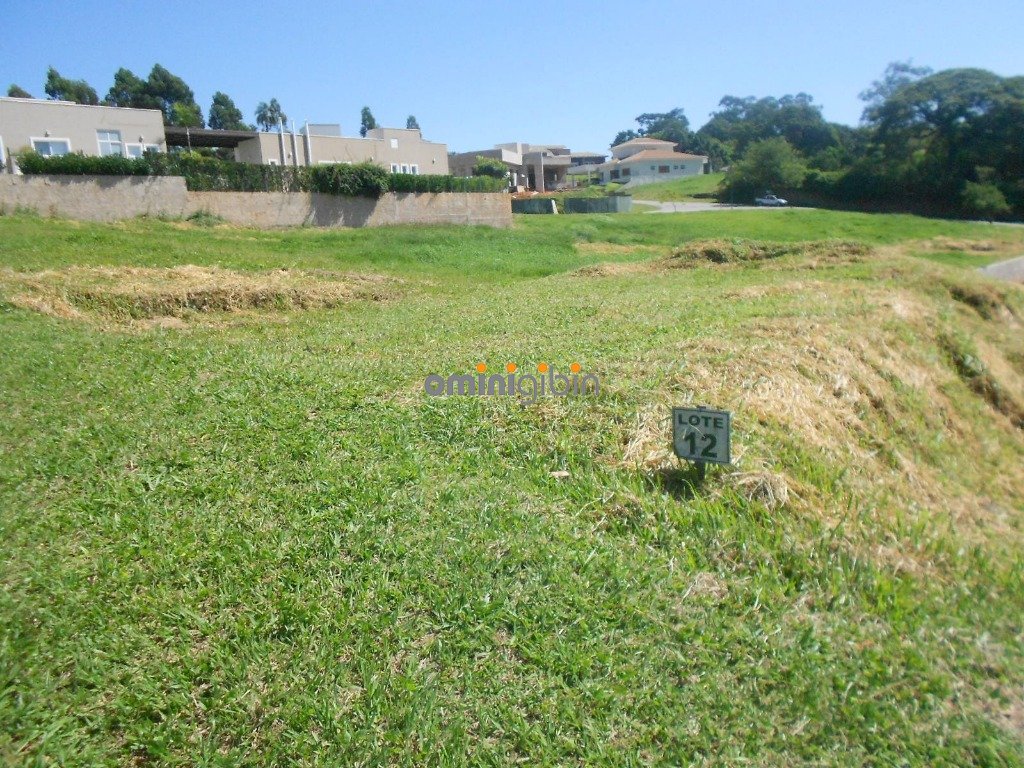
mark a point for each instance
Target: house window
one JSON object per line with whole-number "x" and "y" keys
{"x": 414, "y": 170}
{"x": 394, "y": 143}
{"x": 625, "y": 172}
{"x": 51, "y": 147}
{"x": 138, "y": 150}
{"x": 109, "y": 142}
{"x": 272, "y": 161}
{"x": 405, "y": 168}
{"x": 394, "y": 167}
{"x": 615, "y": 174}
{"x": 653, "y": 168}
{"x": 663, "y": 169}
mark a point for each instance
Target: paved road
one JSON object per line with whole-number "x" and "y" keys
{"x": 1012, "y": 270}
{"x": 697, "y": 207}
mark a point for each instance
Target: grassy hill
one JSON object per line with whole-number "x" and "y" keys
{"x": 236, "y": 530}
{"x": 680, "y": 190}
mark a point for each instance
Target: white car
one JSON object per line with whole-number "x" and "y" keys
{"x": 770, "y": 199}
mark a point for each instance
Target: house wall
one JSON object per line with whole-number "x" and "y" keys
{"x": 111, "y": 198}
{"x": 645, "y": 171}
{"x": 25, "y": 119}
{"x": 382, "y": 146}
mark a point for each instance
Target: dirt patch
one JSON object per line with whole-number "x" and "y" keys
{"x": 987, "y": 300}
{"x": 975, "y": 368}
{"x": 166, "y": 297}
{"x": 970, "y": 246}
{"x": 702, "y": 252}
{"x": 610, "y": 270}
{"x": 617, "y": 248}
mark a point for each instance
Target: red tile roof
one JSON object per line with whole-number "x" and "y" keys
{"x": 643, "y": 140}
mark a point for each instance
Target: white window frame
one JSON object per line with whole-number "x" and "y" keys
{"x": 100, "y": 142}
{"x": 405, "y": 168}
{"x": 394, "y": 143}
{"x": 144, "y": 147}
{"x": 394, "y": 167}
{"x": 33, "y": 139}
{"x": 272, "y": 161}
{"x": 414, "y": 170}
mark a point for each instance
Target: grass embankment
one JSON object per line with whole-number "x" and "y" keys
{"x": 251, "y": 538}
{"x": 691, "y": 189}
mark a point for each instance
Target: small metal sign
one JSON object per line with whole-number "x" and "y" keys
{"x": 701, "y": 435}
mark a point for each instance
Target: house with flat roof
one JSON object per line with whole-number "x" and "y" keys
{"x": 400, "y": 150}
{"x": 541, "y": 167}
{"x": 645, "y": 160}
{"x": 60, "y": 127}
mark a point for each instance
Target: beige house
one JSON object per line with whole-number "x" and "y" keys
{"x": 535, "y": 166}
{"x": 59, "y": 127}
{"x": 643, "y": 160}
{"x": 400, "y": 150}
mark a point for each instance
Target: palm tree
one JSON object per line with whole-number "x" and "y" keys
{"x": 269, "y": 116}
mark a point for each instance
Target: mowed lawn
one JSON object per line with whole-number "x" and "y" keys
{"x": 240, "y": 533}
{"x": 681, "y": 190}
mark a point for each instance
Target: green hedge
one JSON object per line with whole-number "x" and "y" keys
{"x": 210, "y": 174}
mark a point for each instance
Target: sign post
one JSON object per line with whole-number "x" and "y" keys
{"x": 702, "y": 435}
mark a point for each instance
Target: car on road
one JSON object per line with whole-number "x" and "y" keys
{"x": 771, "y": 200}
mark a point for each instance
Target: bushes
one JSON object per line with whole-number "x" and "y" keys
{"x": 405, "y": 182}
{"x": 79, "y": 165}
{"x": 361, "y": 180}
{"x": 210, "y": 174}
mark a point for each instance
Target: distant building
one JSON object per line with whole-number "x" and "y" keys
{"x": 61, "y": 127}
{"x": 541, "y": 167}
{"x": 643, "y": 160}
{"x": 400, "y": 150}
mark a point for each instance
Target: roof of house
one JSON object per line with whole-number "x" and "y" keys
{"x": 655, "y": 154}
{"x": 642, "y": 140}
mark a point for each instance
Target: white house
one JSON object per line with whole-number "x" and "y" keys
{"x": 643, "y": 160}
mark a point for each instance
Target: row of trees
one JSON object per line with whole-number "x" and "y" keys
{"x": 945, "y": 142}
{"x": 170, "y": 94}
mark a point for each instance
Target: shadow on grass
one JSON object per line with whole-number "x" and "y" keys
{"x": 682, "y": 482}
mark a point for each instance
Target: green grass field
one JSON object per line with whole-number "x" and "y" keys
{"x": 236, "y": 531}
{"x": 680, "y": 190}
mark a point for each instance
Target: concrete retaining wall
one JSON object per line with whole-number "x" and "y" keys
{"x": 534, "y": 205}
{"x": 94, "y": 198}
{"x": 611, "y": 204}
{"x": 110, "y": 198}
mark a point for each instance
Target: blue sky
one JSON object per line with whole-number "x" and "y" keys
{"x": 478, "y": 73}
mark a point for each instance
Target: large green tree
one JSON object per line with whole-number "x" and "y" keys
{"x": 668, "y": 126}
{"x": 941, "y": 131}
{"x": 769, "y": 164}
{"x": 225, "y": 116}
{"x": 366, "y": 121}
{"x": 170, "y": 90}
{"x": 162, "y": 90}
{"x": 63, "y": 89}
{"x": 739, "y": 122}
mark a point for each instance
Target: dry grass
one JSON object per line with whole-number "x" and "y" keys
{"x": 701, "y": 252}
{"x": 840, "y": 392}
{"x": 167, "y": 297}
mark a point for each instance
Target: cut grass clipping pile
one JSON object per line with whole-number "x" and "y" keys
{"x": 250, "y": 537}
{"x": 132, "y": 293}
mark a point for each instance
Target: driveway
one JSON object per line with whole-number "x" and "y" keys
{"x": 696, "y": 207}
{"x": 1012, "y": 270}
